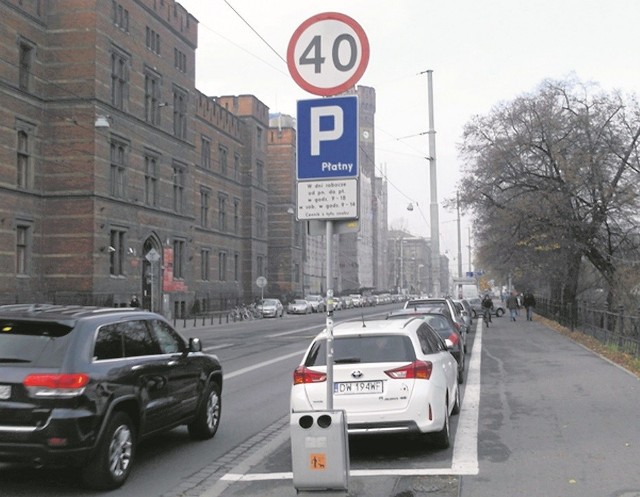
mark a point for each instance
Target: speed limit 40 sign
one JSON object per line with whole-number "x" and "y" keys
{"x": 328, "y": 54}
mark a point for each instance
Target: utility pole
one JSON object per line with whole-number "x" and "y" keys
{"x": 469, "y": 247}
{"x": 459, "y": 238}
{"x": 433, "y": 179}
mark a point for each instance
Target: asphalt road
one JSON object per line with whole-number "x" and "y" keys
{"x": 541, "y": 416}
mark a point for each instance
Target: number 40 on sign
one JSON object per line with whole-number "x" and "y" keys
{"x": 328, "y": 54}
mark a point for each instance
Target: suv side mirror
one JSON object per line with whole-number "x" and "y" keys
{"x": 195, "y": 345}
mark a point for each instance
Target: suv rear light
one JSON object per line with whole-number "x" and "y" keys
{"x": 56, "y": 385}
{"x": 419, "y": 370}
{"x": 303, "y": 375}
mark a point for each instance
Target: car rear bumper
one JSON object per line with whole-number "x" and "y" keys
{"x": 41, "y": 455}
{"x": 383, "y": 428}
{"x": 415, "y": 418}
{"x": 61, "y": 441}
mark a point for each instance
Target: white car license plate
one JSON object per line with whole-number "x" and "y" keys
{"x": 5, "y": 391}
{"x": 357, "y": 387}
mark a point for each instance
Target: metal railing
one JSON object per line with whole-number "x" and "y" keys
{"x": 616, "y": 328}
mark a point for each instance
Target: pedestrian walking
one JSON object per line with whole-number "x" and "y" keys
{"x": 529, "y": 302}
{"x": 512, "y": 305}
{"x": 487, "y": 307}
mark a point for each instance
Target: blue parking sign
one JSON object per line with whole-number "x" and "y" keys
{"x": 328, "y": 138}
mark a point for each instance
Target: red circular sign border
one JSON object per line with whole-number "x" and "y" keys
{"x": 334, "y": 90}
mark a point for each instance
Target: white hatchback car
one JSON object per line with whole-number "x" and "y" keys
{"x": 390, "y": 376}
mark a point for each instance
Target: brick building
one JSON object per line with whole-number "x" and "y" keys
{"x": 286, "y": 235}
{"x": 118, "y": 176}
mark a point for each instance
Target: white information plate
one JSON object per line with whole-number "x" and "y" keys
{"x": 357, "y": 387}
{"x": 5, "y": 392}
{"x": 328, "y": 199}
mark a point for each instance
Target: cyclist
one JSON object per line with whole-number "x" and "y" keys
{"x": 487, "y": 307}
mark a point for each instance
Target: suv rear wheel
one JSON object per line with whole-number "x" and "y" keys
{"x": 113, "y": 459}
{"x": 207, "y": 420}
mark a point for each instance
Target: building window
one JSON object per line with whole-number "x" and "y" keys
{"x": 296, "y": 272}
{"x": 236, "y": 216}
{"x": 178, "y": 188}
{"x": 23, "y": 248}
{"x": 260, "y": 265}
{"x": 222, "y": 157}
{"x": 222, "y": 212}
{"x": 260, "y": 173}
{"x": 179, "y": 113}
{"x": 260, "y": 219}
{"x": 151, "y": 180}
{"x": 180, "y": 60}
{"x": 178, "y": 258}
{"x": 236, "y": 267}
{"x": 205, "y": 152}
{"x": 259, "y": 138}
{"x": 236, "y": 166}
{"x": 153, "y": 40}
{"x": 119, "y": 79}
{"x": 24, "y": 160}
{"x": 120, "y": 16}
{"x": 152, "y": 97}
{"x": 117, "y": 173}
{"x": 116, "y": 253}
{"x": 222, "y": 266}
{"x": 205, "y": 196}
{"x": 205, "y": 255}
{"x": 25, "y": 65}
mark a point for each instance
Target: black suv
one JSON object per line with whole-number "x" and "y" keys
{"x": 83, "y": 385}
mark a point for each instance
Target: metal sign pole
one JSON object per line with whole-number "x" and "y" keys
{"x": 329, "y": 241}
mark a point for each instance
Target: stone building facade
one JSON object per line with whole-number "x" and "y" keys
{"x": 118, "y": 176}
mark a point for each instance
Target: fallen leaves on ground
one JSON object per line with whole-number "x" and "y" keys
{"x": 623, "y": 359}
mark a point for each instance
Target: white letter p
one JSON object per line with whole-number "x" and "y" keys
{"x": 318, "y": 136}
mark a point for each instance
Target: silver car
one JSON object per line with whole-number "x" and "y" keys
{"x": 299, "y": 306}
{"x": 317, "y": 303}
{"x": 271, "y": 308}
{"x": 467, "y": 312}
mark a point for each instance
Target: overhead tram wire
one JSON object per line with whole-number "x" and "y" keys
{"x": 383, "y": 175}
{"x": 208, "y": 28}
{"x": 256, "y": 32}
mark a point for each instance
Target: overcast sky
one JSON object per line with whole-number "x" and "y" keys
{"x": 482, "y": 52}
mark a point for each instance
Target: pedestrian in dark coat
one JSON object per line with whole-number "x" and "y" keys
{"x": 512, "y": 305}
{"x": 529, "y": 302}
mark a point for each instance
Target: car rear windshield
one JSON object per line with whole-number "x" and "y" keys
{"x": 33, "y": 343}
{"x": 363, "y": 349}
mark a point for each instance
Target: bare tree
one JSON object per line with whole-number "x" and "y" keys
{"x": 556, "y": 172}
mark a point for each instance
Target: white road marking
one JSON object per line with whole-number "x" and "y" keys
{"x": 216, "y": 347}
{"x": 465, "y": 448}
{"x": 263, "y": 364}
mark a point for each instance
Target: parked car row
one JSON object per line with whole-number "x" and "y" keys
{"x": 271, "y": 307}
